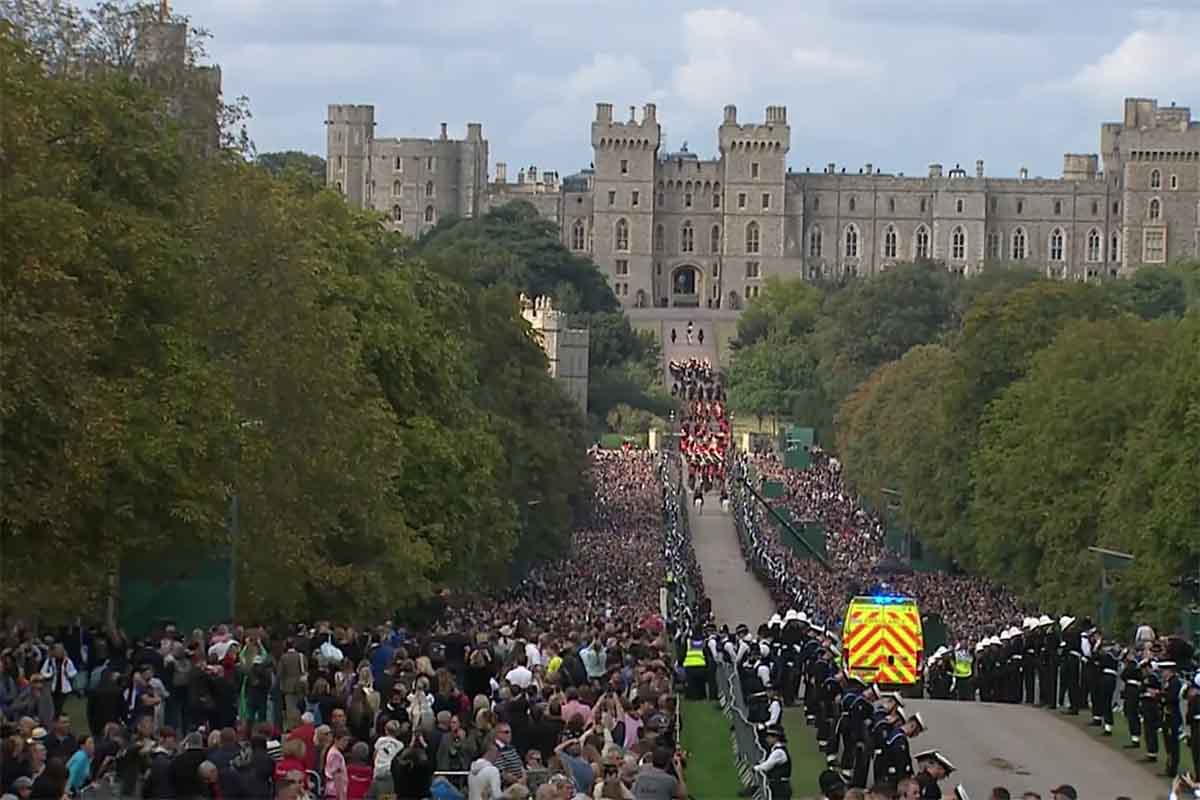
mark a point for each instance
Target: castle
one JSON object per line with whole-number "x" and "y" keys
{"x": 566, "y": 348}
{"x": 674, "y": 230}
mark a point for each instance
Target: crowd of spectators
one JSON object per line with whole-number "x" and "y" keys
{"x": 970, "y": 606}
{"x": 560, "y": 687}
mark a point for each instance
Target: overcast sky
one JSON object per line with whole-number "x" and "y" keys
{"x": 896, "y": 83}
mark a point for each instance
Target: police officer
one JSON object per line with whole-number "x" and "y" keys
{"x": 712, "y": 655}
{"x": 1172, "y": 718}
{"x": 695, "y": 667}
{"x": 777, "y": 766}
{"x": 962, "y": 688}
{"x": 1131, "y": 693}
{"x": 932, "y": 767}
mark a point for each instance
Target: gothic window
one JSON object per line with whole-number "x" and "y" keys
{"x": 752, "y": 237}
{"x": 958, "y": 244}
{"x": 852, "y": 203}
{"x": 658, "y": 238}
{"x": 1154, "y": 247}
{"x": 851, "y": 250}
{"x": 1093, "y": 245}
{"x": 1058, "y": 208}
{"x": 1155, "y": 179}
{"x": 399, "y": 164}
{"x": 687, "y": 200}
{"x": 714, "y": 240}
{"x": 397, "y": 213}
{"x": 1114, "y": 248}
{"x": 429, "y": 188}
{"x": 687, "y": 238}
{"x": 752, "y": 272}
{"x": 921, "y": 243}
{"x": 429, "y": 214}
{"x": 1056, "y": 245}
{"x": 958, "y": 206}
{"x": 993, "y": 246}
{"x": 621, "y": 236}
{"x": 397, "y": 189}
{"x": 716, "y": 201}
{"x": 814, "y": 243}
{"x": 889, "y": 242}
{"x": 578, "y": 235}
{"x": 1018, "y": 245}
{"x": 1155, "y": 209}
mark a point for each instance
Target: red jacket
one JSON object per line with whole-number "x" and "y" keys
{"x": 361, "y": 777}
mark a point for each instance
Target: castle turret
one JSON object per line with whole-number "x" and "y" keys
{"x": 349, "y": 130}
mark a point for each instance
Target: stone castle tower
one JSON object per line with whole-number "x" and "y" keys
{"x": 566, "y": 348}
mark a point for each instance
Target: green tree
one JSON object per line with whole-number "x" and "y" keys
{"x": 769, "y": 378}
{"x": 789, "y": 306}
{"x": 282, "y": 162}
{"x": 1048, "y": 445}
{"x": 1152, "y": 292}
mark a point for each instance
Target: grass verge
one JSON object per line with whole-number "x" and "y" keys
{"x": 1120, "y": 738}
{"x": 807, "y": 761}
{"x": 711, "y": 772}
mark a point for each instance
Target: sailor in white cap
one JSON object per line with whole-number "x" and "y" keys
{"x": 932, "y": 767}
{"x": 1072, "y": 665}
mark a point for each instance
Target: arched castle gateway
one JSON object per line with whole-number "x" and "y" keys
{"x": 673, "y": 230}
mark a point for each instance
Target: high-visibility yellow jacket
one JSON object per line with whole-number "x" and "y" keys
{"x": 962, "y": 666}
{"x": 694, "y": 657}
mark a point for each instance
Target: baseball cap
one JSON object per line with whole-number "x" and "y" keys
{"x": 1067, "y": 791}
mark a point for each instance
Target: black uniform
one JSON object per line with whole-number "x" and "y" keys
{"x": 1151, "y": 713}
{"x": 1172, "y": 723}
{"x": 929, "y": 787}
{"x": 1193, "y": 712}
{"x": 1103, "y": 687}
{"x": 896, "y": 758}
{"x": 1072, "y": 662}
{"x": 1029, "y": 664}
{"x": 779, "y": 777}
{"x": 1131, "y": 677}
{"x": 1048, "y": 668}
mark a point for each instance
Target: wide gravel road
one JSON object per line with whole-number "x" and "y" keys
{"x": 736, "y": 594}
{"x": 1026, "y": 749}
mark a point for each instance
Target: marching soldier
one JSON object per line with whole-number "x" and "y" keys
{"x": 1091, "y": 674}
{"x": 1048, "y": 663}
{"x": 1029, "y": 664}
{"x": 1014, "y": 683}
{"x": 932, "y": 767}
{"x": 777, "y": 766}
{"x": 1071, "y": 664}
{"x": 1131, "y": 679}
{"x": 1151, "y": 710}
{"x": 1172, "y": 718}
{"x": 1105, "y": 687}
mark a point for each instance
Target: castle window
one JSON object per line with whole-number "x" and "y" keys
{"x": 338, "y": 185}
{"x": 752, "y": 237}
{"x": 958, "y": 206}
{"x": 754, "y": 170}
{"x": 622, "y": 267}
{"x": 922, "y": 205}
{"x": 1174, "y": 182}
{"x": 1018, "y": 245}
{"x": 1020, "y": 206}
{"x": 398, "y": 213}
{"x": 716, "y": 272}
{"x": 399, "y": 166}
{"x": 1155, "y": 179}
{"x": 624, "y": 166}
{"x": 612, "y": 197}
{"x": 1154, "y": 246}
{"x": 429, "y": 214}
{"x": 687, "y": 200}
{"x": 741, "y": 199}
{"x": 752, "y": 272}
{"x": 766, "y": 200}
{"x": 661, "y": 199}
{"x": 816, "y": 204}
{"x": 714, "y": 239}
{"x": 921, "y": 243}
{"x": 995, "y": 204}
{"x": 621, "y": 236}
{"x": 1058, "y": 208}
{"x": 958, "y": 244}
{"x": 687, "y": 238}
{"x": 429, "y": 188}
{"x": 814, "y": 243}
{"x": 658, "y": 238}
{"x": 1114, "y": 248}
{"x": 634, "y": 198}
{"x": 431, "y": 164}
{"x": 341, "y": 164}
{"x": 1095, "y": 207}
{"x": 1116, "y": 207}
{"x": 993, "y": 246}
{"x": 1155, "y": 211}
{"x": 851, "y": 250}
{"x": 892, "y": 205}
{"x": 852, "y": 203}
{"x": 578, "y": 235}
{"x": 716, "y": 201}
{"x": 889, "y": 242}
{"x": 397, "y": 189}
{"x": 1093, "y": 245}
{"x": 1057, "y": 246}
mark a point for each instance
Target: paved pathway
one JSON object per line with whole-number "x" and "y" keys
{"x": 681, "y": 350}
{"x": 1026, "y": 749}
{"x": 736, "y": 594}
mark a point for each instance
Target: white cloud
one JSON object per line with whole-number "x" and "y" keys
{"x": 1161, "y": 57}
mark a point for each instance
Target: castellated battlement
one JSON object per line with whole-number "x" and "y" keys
{"x": 566, "y": 348}
{"x": 631, "y": 134}
{"x": 773, "y": 134}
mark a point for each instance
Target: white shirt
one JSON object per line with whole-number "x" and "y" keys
{"x": 386, "y": 748}
{"x": 519, "y": 676}
{"x": 484, "y": 781}
{"x": 777, "y": 756}
{"x": 533, "y": 656}
{"x": 774, "y": 712}
{"x": 764, "y": 674}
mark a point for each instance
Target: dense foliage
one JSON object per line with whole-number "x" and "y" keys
{"x": 1021, "y": 420}
{"x": 181, "y": 330}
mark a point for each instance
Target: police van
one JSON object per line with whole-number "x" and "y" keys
{"x": 883, "y": 642}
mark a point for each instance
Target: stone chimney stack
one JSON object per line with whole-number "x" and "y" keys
{"x": 603, "y": 112}
{"x": 532, "y": 173}
{"x": 1024, "y": 173}
{"x": 501, "y": 172}
{"x": 632, "y": 114}
{"x": 443, "y": 131}
{"x": 935, "y": 170}
{"x": 731, "y": 114}
{"x": 649, "y": 113}
{"x": 979, "y": 168}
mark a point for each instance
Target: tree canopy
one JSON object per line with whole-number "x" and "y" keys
{"x": 180, "y": 330}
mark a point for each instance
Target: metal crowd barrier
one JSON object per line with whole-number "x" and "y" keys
{"x": 747, "y": 749}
